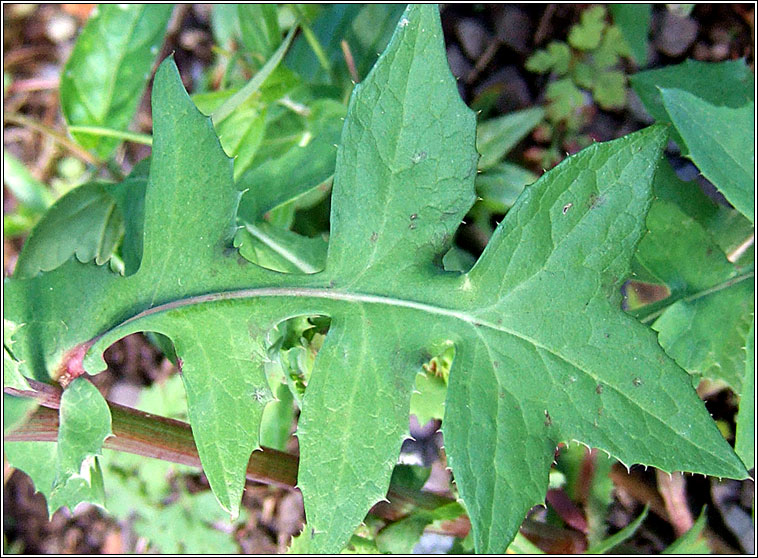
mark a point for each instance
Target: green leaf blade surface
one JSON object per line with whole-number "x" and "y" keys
{"x": 534, "y": 325}
{"x": 85, "y": 423}
{"x": 634, "y": 22}
{"x": 104, "y": 77}
{"x": 720, "y": 141}
{"x": 403, "y": 129}
{"x": 744, "y": 443}
{"x": 551, "y": 367}
{"x": 703, "y": 321}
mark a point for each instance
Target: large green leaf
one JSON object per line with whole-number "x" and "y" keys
{"x": 720, "y": 141}
{"x": 103, "y": 79}
{"x": 542, "y": 352}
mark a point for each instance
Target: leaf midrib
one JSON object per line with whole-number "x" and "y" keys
{"x": 357, "y": 298}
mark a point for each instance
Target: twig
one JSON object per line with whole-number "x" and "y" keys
{"x": 541, "y": 32}
{"x": 483, "y": 61}
{"x": 33, "y": 84}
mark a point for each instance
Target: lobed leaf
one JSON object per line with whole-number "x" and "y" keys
{"x": 586, "y": 35}
{"x": 85, "y": 422}
{"x": 543, "y": 354}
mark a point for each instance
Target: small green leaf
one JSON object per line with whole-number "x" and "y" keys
{"x": 252, "y": 86}
{"x": 556, "y": 57}
{"x": 610, "y": 49}
{"x": 68, "y": 472}
{"x": 704, "y": 322}
{"x": 719, "y": 140}
{"x": 280, "y": 249}
{"x": 85, "y": 422}
{"x": 103, "y": 79}
{"x": 501, "y": 185}
{"x": 633, "y": 20}
{"x": 584, "y": 74}
{"x": 272, "y": 183}
{"x": 565, "y": 98}
{"x": 497, "y": 136}
{"x": 86, "y": 223}
{"x": 617, "y": 538}
{"x": 728, "y": 84}
{"x": 609, "y": 90}
{"x": 693, "y": 541}
{"x": 278, "y": 418}
{"x": 587, "y": 34}
{"x": 259, "y": 27}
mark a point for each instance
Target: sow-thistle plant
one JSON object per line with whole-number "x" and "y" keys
{"x": 532, "y": 341}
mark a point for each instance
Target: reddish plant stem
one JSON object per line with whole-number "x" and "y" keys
{"x": 148, "y": 435}
{"x": 167, "y": 439}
